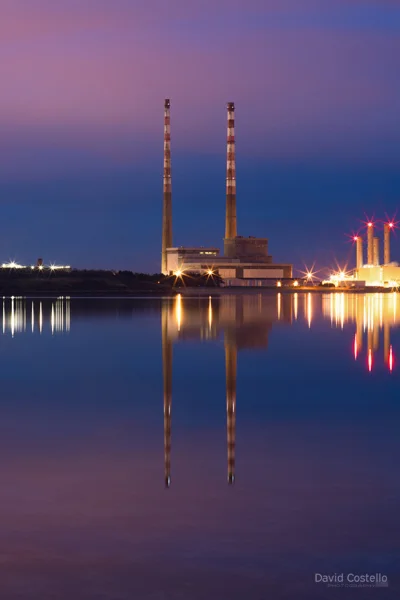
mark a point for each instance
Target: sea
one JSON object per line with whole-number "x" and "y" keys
{"x": 232, "y": 447}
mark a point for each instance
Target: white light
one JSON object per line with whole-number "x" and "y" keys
{"x": 12, "y": 265}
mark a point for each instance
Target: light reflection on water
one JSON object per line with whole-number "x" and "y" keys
{"x": 270, "y": 419}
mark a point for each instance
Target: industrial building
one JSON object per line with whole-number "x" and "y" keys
{"x": 375, "y": 273}
{"x": 372, "y": 273}
{"x": 246, "y": 260}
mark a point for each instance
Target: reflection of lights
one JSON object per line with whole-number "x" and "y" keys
{"x": 309, "y": 310}
{"x": 279, "y": 304}
{"x": 15, "y": 316}
{"x": 210, "y": 315}
{"x": 178, "y": 311}
{"x": 370, "y": 360}
{"x": 355, "y": 347}
{"x": 391, "y": 359}
{"x": 295, "y": 305}
{"x": 12, "y": 317}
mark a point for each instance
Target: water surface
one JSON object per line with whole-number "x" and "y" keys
{"x": 228, "y": 447}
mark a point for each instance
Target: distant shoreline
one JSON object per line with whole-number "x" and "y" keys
{"x": 191, "y": 291}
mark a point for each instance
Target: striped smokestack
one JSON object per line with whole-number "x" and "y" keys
{"x": 230, "y": 218}
{"x": 167, "y": 201}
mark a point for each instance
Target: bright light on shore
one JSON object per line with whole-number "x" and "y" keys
{"x": 12, "y": 265}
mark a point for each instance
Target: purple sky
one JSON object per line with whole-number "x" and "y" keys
{"x": 317, "y": 98}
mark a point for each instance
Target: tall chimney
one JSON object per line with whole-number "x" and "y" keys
{"x": 230, "y": 373}
{"x": 376, "y": 252}
{"x": 370, "y": 249}
{"x": 386, "y": 242}
{"x": 167, "y": 201}
{"x": 359, "y": 252}
{"x": 230, "y": 218}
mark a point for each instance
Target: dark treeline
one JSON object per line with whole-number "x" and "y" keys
{"x": 96, "y": 281}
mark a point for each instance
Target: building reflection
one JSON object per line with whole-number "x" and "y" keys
{"x": 374, "y": 315}
{"x": 21, "y": 315}
{"x": 242, "y": 322}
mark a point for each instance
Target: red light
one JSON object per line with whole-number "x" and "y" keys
{"x": 391, "y": 359}
{"x": 355, "y": 238}
{"x": 370, "y": 224}
{"x": 370, "y": 360}
{"x": 391, "y": 225}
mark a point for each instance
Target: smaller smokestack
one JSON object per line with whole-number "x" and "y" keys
{"x": 370, "y": 249}
{"x": 376, "y": 252}
{"x": 359, "y": 252}
{"x": 386, "y": 242}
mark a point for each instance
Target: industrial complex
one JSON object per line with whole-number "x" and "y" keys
{"x": 372, "y": 273}
{"x": 245, "y": 260}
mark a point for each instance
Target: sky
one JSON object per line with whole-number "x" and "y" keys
{"x": 83, "y": 82}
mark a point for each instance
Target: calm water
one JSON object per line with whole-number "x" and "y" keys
{"x": 197, "y": 448}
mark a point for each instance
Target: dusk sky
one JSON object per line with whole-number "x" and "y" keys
{"x": 317, "y": 92}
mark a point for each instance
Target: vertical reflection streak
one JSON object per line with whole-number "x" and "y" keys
{"x": 230, "y": 374}
{"x": 167, "y": 391}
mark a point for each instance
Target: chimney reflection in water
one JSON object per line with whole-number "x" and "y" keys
{"x": 167, "y": 388}
{"x": 230, "y": 375}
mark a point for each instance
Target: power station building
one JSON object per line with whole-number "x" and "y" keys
{"x": 374, "y": 273}
{"x": 246, "y": 259}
